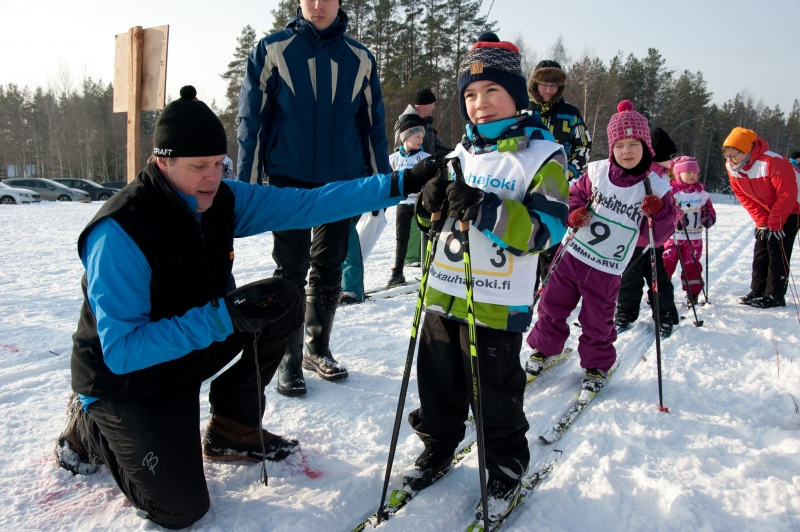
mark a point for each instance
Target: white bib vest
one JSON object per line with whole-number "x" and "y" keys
{"x": 693, "y": 206}
{"x": 499, "y": 277}
{"x": 400, "y": 162}
{"x": 608, "y": 241}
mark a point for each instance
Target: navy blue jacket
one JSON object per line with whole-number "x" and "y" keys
{"x": 311, "y": 107}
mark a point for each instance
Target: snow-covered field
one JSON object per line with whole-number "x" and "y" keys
{"x": 726, "y": 457}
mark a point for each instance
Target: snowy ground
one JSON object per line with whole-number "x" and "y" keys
{"x": 727, "y": 457}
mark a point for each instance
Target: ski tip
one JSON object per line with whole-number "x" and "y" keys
{"x": 545, "y": 440}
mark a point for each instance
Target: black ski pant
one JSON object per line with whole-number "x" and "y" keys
{"x": 445, "y": 392}
{"x": 630, "y": 291}
{"x": 543, "y": 266}
{"x": 771, "y": 260}
{"x": 403, "y": 221}
{"x": 296, "y": 250}
{"x": 151, "y": 445}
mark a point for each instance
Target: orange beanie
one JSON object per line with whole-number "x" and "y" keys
{"x": 742, "y": 139}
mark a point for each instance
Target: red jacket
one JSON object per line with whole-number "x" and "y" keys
{"x": 766, "y": 186}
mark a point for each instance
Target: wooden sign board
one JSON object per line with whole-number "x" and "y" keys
{"x": 154, "y": 69}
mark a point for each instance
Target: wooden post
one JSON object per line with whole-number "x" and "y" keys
{"x": 136, "y": 47}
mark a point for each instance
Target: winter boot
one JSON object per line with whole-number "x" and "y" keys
{"x": 665, "y": 324}
{"x": 397, "y": 277}
{"x": 428, "y": 468}
{"x": 621, "y": 323}
{"x": 229, "y": 441}
{"x": 290, "y": 372}
{"x": 320, "y": 311}
{"x": 767, "y": 302}
{"x": 70, "y": 452}
{"x": 348, "y": 298}
{"x": 745, "y": 300}
{"x": 593, "y": 382}
{"x": 691, "y": 299}
{"x": 535, "y": 364}
{"x": 502, "y": 495}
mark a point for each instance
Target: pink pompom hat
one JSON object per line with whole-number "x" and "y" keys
{"x": 628, "y": 124}
{"x": 684, "y": 163}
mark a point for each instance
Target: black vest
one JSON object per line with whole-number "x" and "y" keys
{"x": 191, "y": 265}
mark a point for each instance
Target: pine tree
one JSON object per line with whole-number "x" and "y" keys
{"x": 286, "y": 10}
{"x": 229, "y": 116}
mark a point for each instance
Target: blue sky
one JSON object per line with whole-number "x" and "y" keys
{"x": 735, "y": 45}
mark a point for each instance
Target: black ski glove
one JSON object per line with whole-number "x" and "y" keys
{"x": 258, "y": 304}
{"x": 434, "y": 194}
{"x": 465, "y": 201}
{"x": 414, "y": 178}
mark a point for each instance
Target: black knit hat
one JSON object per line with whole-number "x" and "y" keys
{"x": 795, "y": 155}
{"x": 424, "y": 96}
{"x": 494, "y": 60}
{"x": 663, "y": 146}
{"x": 188, "y": 128}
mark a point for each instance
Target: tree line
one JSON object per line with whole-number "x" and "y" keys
{"x": 70, "y": 131}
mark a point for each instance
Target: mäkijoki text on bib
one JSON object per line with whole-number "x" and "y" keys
{"x": 499, "y": 277}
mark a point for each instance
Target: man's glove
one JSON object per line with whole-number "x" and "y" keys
{"x": 761, "y": 233}
{"x": 414, "y": 178}
{"x": 777, "y": 235}
{"x": 258, "y": 304}
{"x": 651, "y": 204}
{"x": 465, "y": 201}
{"x": 434, "y": 194}
{"x": 579, "y": 217}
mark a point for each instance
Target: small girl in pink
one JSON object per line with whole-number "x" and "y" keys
{"x": 692, "y": 198}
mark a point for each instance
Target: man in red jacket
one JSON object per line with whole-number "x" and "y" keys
{"x": 766, "y": 185}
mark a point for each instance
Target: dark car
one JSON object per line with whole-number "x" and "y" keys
{"x": 97, "y": 192}
{"x": 116, "y": 185}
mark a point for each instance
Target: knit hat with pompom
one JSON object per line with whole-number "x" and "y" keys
{"x": 188, "y": 128}
{"x": 684, "y": 163}
{"x": 494, "y": 60}
{"x": 628, "y": 124}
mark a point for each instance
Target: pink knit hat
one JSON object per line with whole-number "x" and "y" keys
{"x": 628, "y": 124}
{"x": 684, "y": 164}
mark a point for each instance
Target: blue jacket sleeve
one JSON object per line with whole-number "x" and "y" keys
{"x": 264, "y": 208}
{"x": 372, "y": 125}
{"x": 255, "y": 114}
{"x": 118, "y": 278}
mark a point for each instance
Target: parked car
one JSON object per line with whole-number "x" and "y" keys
{"x": 117, "y": 185}
{"x": 13, "y": 196}
{"x": 96, "y": 191}
{"x": 48, "y": 189}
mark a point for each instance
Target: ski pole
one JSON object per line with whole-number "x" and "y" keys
{"x": 696, "y": 266}
{"x": 708, "y": 273}
{"x": 412, "y": 344}
{"x": 697, "y": 323}
{"x": 473, "y": 355}
{"x": 557, "y": 260}
{"x": 654, "y": 275}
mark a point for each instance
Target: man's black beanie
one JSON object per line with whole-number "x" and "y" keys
{"x": 663, "y": 146}
{"x": 796, "y": 155}
{"x": 188, "y": 128}
{"x": 424, "y": 97}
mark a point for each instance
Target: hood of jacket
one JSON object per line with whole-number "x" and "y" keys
{"x": 760, "y": 147}
{"x": 307, "y": 30}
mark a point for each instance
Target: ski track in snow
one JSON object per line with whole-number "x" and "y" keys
{"x": 727, "y": 456}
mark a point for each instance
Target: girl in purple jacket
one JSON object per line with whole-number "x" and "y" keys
{"x": 606, "y": 230}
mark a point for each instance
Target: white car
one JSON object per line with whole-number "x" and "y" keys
{"x": 13, "y": 196}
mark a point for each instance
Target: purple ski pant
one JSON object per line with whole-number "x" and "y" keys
{"x": 572, "y": 280}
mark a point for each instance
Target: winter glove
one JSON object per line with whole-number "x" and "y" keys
{"x": 414, "y": 178}
{"x": 258, "y": 304}
{"x": 679, "y": 224}
{"x": 651, "y": 204}
{"x": 434, "y": 194}
{"x": 707, "y": 222}
{"x": 761, "y": 233}
{"x": 579, "y": 217}
{"x": 777, "y": 235}
{"x": 465, "y": 201}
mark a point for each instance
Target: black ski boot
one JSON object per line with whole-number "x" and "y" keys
{"x": 428, "y": 468}
{"x": 320, "y": 311}
{"x": 746, "y": 300}
{"x": 290, "y": 372}
{"x": 666, "y": 323}
{"x": 397, "y": 277}
{"x": 621, "y": 323}
{"x": 768, "y": 302}
{"x": 70, "y": 452}
{"x": 501, "y": 495}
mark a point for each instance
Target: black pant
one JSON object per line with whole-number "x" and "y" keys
{"x": 405, "y": 217}
{"x": 445, "y": 392}
{"x": 771, "y": 259}
{"x": 543, "y": 266}
{"x": 630, "y": 291}
{"x": 294, "y": 251}
{"x": 151, "y": 445}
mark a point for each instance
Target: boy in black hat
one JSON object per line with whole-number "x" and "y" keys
{"x": 158, "y": 317}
